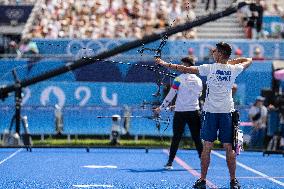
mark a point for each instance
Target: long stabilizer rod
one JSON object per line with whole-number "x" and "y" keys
{"x": 4, "y": 91}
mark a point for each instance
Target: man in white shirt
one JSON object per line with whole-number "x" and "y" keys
{"x": 218, "y": 106}
{"x": 187, "y": 89}
{"x": 258, "y": 117}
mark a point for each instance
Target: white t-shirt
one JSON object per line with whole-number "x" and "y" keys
{"x": 220, "y": 80}
{"x": 188, "y": 88}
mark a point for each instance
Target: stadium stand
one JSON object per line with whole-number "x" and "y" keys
{"x": 224, "y": 28}
{"x": 111, "y": 19}
{"x": 130, "y": 19}
{"x": 17, "y": 2}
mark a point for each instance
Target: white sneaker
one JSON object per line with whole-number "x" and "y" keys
{"x": 169, "y": 166}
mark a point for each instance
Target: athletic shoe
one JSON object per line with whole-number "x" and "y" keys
{"x": 200, "y": 184}
{"x": 169, "y": 166}
{"x": 234, "y": 184}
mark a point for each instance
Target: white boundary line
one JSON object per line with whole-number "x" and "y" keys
{"x": 10, "y": 156}
{"x": 250, "y": 169}
{"x": 261, "y": 177}
{"x": 92, "y": 185}
{"x": 191, "y": 170}
{"x": 100, "y": 166}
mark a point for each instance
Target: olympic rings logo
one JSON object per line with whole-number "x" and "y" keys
{"x": 79, "y": 48}
{"x": 88, "y": 48}
{"x": 57, "y": 95}
{"x": 14, "y": 13}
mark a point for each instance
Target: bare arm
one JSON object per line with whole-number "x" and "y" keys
{"x": 237, "y": 60}
{"x": 168, "y": 99}
{"x": 247, "y": 63}
{"x": 181, "y": 68}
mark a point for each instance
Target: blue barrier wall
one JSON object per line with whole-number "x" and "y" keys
{"x": 251, "y": 81}
{"x": 29, "y": 68}
{"x": 78, "y": 120}
{"x": 110, "y": 85}
{"x": 131, "y": 85}
{"x": 271, "y": 49}
{"x": 86, "y": 94}
{"x": 85, "y": 100}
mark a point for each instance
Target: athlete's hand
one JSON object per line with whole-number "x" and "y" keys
{"x": 157, "y": 110}
{"x": 249, "y": 59}
{"x": 172, "y": 108}
{"x": 158, "y": 60}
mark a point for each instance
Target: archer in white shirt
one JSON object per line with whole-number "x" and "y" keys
{"x": 187, "y": 89}
{"x": 218, "y": 105}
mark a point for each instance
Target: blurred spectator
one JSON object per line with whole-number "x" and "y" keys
{"x": 243, "y": 15}
{"x": 14, "y": 49}
{"x": 16, "y": 2}
{"x": 28, "y": 47}
{"x": 258, "y": 117}
{"x": 76, "y": 19}
{"x": 124, "y": 7}
{"x": 275, "y": 9}
{"x": 58, "y": 114}
{"x": 189, "y": 15}
{"x": 251, "y": 18}
{"x": 126, "y": 120}
{"x": 51, "y": 32}
{"x": 238, "y": 53}
{"x": 175, "y": 12}
{"x": 191, "y": 54}
{"x": 274, "y": 129}
{"x": 110, "y": 7}
{"x": 162, "y": 16}
{"x": 282, "y": 130}
{"x": 115, "y": 130}
{"x": 188, "y": 11}
{"x": 207, "y": 5}
{"x": 135, "y": 11}
{"x": 257, "y": 14}
{"x": 278, "y": 10}
{"x": 176, "y": 16}
{"x": 257, "y": 54}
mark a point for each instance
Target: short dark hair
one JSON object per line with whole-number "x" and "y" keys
{"x": 188, "y": 60}
{"x": 224, "y": 48}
